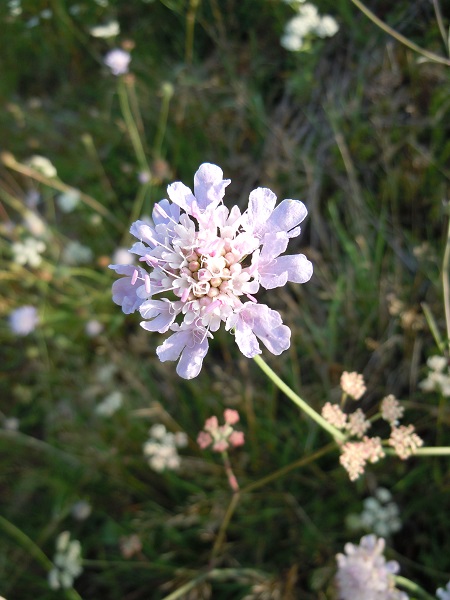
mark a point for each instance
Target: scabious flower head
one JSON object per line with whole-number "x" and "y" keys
{"x": 117, "y": 61}
{"x": 364, "y": 574}
{"x": 23, "y": 320}
{"x": 221, "y": 436}
{"x": 404, "y": 441}
{"x": 67, "y": 562}
{"x": 353, "y": 384}
{"x": 443, "y": 594}
{"x": 391, "y": 410}
{"x": 202, "y": 264}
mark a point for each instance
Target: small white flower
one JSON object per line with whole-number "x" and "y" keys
{"x": 93, "y": 328}
{"x": 108, "y": 30}
{"x": 28, "y": 252}
{"x": 81, "y": 510}
{"x": 66, "y": 562}
{"x": 327, "y": 27}
{"x": 68, "y": 201}
{"x": 161, "y": 448}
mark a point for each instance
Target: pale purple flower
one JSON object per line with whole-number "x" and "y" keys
{"x": 117, "y": 60}
{"x": 202, "y": 264}
{"x": 23, "y": 320}
{"x": 364, "y": 574}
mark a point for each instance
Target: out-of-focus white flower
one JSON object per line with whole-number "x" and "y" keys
{"x": 364, "y": 574}
{"x": 122, "y": 257}
{"x": 66, "y": 562}
{"x": 15, "y": 9}
{"x": 28, "y": 252}
{"x": 75, "y": 253}
{"x": 110, "y": 404}
{"x": 23, "y": 320}
{"x": 93, "y": 328}
{"x": 43, "y": 165}
{"x": 380, "y": 514}
{"x": 108, "y": 30}
{"x": 438, "y": 379}
{"x": 161, "y": 448}
{"x": 46, "y": 13}
{"x": 306, "y": 22}
{"x": 118, "y": 60}
{"x": 68, "y": 201}
{"x": 327, "y": 27}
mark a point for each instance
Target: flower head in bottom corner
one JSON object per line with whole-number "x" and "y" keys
{"x": 364, "y": 574}
{"x": 201, "y": 265}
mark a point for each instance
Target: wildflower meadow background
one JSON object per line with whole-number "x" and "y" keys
{"x": 278, "y": 426}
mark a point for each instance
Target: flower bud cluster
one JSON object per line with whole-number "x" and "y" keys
{"x": 67, "y": 562}
{"x": 221, "y": 437}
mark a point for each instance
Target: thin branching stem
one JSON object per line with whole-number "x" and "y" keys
{"x": 413, "y": 587}
{"x": 304, "y": 406}
{"x": 446, "y": 283}
{"x": 131, "y": 126}
{"x": 399, "y": 37}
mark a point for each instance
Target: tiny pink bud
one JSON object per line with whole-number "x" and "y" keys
{"x": 231, "y": 416}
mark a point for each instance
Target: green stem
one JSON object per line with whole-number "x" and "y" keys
{"x": 436, "y": 451}
{"x": 167, "y": 93}
{"x": 33, "y": 550}
{"x": 190, "y": 24}
{"x": 413, "y": 587}
{"x": 399, "y": 37}
{"x": 301, "y": 462}
{"x": 431, "y": 321}
{"x": 446, "y": 283}
{"x": 224, "y": 525}
{"x": 337, "y": 435}
{"x": 131, "y": 126}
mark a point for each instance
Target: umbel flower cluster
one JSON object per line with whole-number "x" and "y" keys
{"x": 202, "y": 264}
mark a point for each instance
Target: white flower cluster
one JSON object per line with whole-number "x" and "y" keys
{"x": 306, "y": 23}
{"x": 380, "y": 514}
{"x": 438, "y": 379}
{"x": 67, "y": 562}
{"x": 28, "y": 252}
{"x": 161, "y": 448}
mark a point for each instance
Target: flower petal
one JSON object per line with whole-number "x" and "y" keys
{"x": 209, "y": 187}
{"x": 298, "y": 268}
{"x": 182, "y": 195}
{"x": 287, "y": 215}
